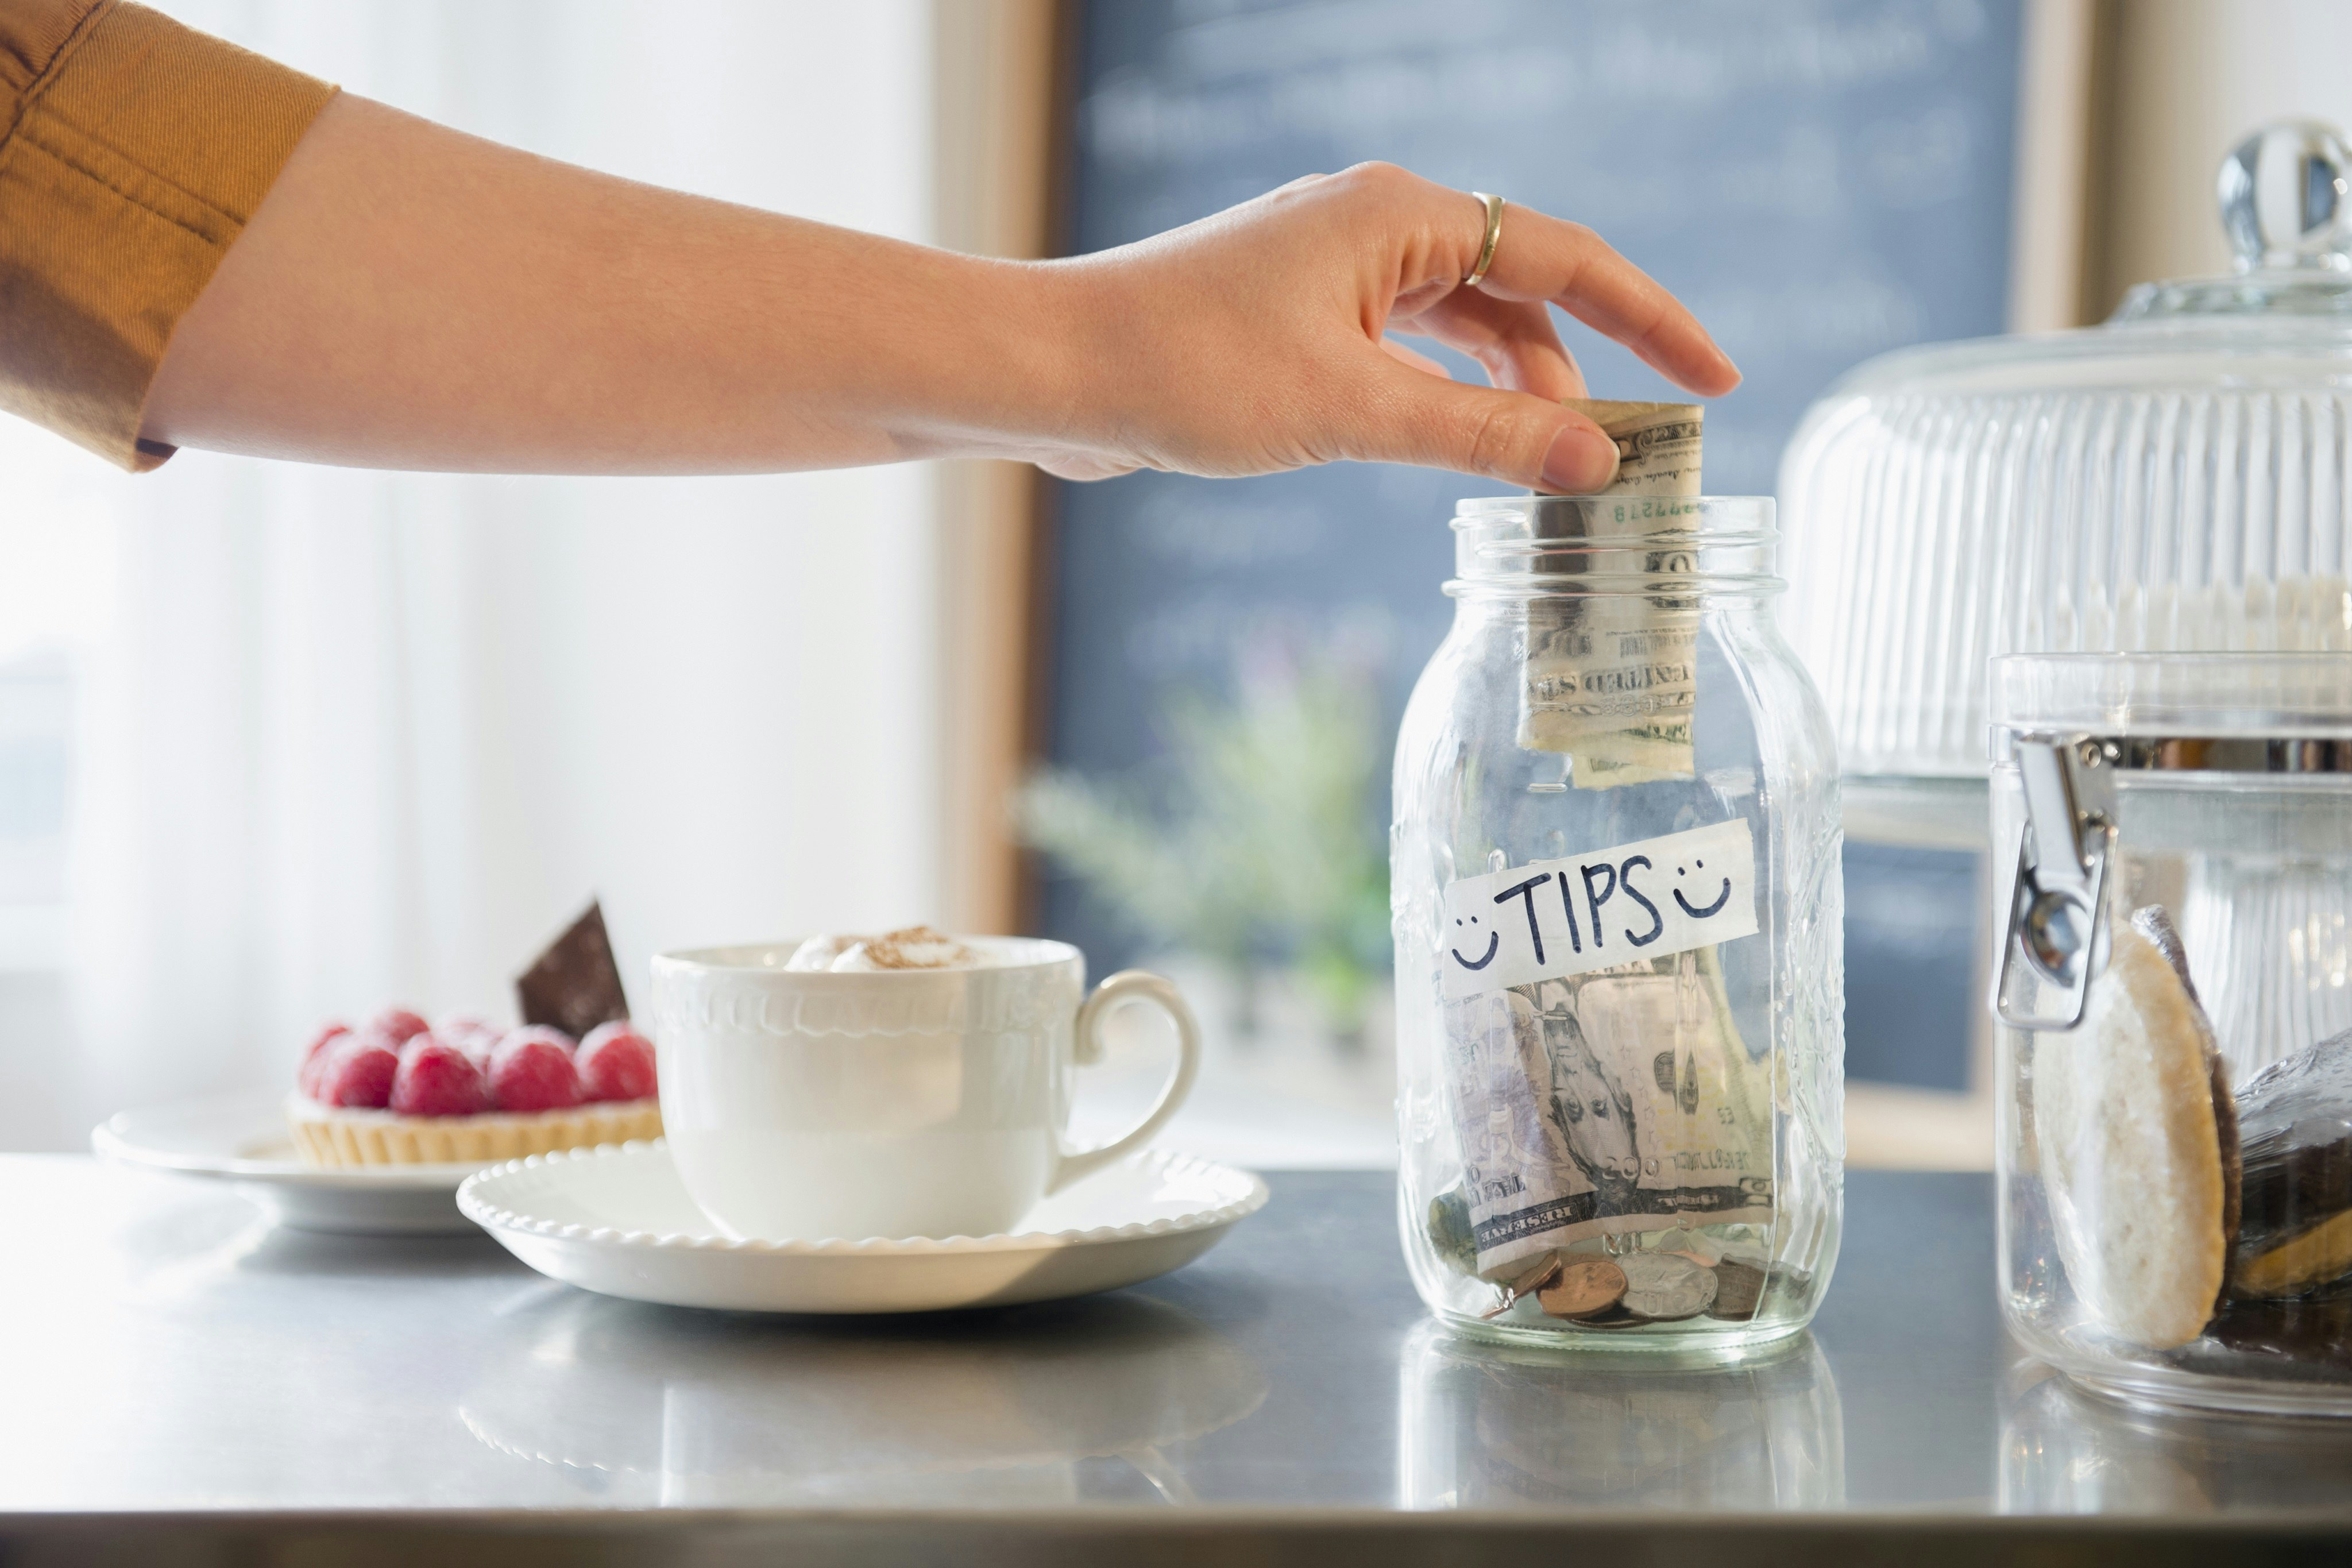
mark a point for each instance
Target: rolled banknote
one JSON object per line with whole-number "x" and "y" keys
{"x": 1657, "y": 444}
{"x": 1612, "y": 681}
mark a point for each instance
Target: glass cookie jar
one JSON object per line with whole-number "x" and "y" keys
{"x": 1614, "y": 887}
{"x": 2174, "y": 984}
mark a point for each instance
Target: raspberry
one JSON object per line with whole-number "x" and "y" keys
{"x": 616, "y": 1063}
{"x": 396, "y": 1027}
{"x": 306, "y": 1077}
{"x": 478, "y": 1038}
{"x": 358, "y": 1072}
{"x": 437, "y": 1078}
{"x": 531, "y": 1070}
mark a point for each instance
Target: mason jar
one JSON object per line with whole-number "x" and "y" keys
{"x": 1615, "y": 894}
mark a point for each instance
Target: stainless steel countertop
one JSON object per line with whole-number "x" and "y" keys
{"x": 163, "y": 1351}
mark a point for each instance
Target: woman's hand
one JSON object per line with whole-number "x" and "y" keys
{"x": 409, "y": 297}
{"x": 1256, "y": 340}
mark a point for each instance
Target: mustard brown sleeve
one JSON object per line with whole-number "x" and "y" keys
{"x": 134, "y": 151}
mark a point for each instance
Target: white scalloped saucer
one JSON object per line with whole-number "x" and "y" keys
{"x": 242, "y": 1139}
{"x": 618, "y": 1221}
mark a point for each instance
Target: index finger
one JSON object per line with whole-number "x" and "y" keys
{"x": 1538, "y": 256}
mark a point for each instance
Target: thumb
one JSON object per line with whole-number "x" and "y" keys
{"x": 1521, "y": 439}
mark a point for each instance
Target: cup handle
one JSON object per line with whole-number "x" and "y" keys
{"x": 1132, "y": 985}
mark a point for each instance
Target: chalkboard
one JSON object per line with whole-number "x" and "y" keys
{"x": 1819, "y": 182}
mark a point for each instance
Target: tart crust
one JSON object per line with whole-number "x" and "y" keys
{"x": 335, "y": 1135}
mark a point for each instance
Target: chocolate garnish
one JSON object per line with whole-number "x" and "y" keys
{"x": 575, "y": 985}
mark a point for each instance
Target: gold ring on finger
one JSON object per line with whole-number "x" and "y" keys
{"x": 1493, "y": 206}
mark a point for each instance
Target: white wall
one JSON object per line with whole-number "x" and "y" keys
{"x": 353, "y": 737}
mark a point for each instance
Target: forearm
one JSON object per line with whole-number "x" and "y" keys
{"x": 410, "y": 297}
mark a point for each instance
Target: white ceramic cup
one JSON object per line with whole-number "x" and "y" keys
{"x": 811, "y": 1105}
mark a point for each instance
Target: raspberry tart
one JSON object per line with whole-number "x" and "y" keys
{"x": 397, "y": 1093}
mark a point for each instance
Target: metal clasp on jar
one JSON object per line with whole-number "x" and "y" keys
{"x": 2057, "y": 903}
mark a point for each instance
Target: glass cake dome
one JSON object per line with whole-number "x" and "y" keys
{"x": 2178, "y": 479}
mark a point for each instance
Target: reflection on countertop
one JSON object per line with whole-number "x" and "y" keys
{"x": 174, "y": 1352}
{"x": 692, "y": 1409}
{"x": 1485, "y": 1426}
{"x": 2066, "y": 1451}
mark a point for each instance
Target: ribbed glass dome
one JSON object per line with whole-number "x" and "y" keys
{"x": 2178, "y": 479}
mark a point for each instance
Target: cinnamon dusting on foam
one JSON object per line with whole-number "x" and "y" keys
{"x": 912, "y": 947}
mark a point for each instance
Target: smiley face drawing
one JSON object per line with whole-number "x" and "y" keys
{"x": 1494, "y": 945}
{"x": 1721, "y": 898}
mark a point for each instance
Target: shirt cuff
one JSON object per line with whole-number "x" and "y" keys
{"x": 134, "y": 152}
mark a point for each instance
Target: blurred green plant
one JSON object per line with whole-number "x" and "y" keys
{"x": 1255, "y": 845}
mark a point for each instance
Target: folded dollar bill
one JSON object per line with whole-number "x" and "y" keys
{"x": 1612, "y": 681}
{"x": 1606, "y": 1104}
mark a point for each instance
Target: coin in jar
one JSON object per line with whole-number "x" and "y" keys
{"x": 1524, "y": 1285}
{"x": 1738, "y": 1289}
{"x": 1665, "y": 1286}
{"x": 1587, "y": 1286}
{"x": 1536, "y": 1278}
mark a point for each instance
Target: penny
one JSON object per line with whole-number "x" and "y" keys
{"x": 1665, "y": 1287}
{"x": 1536, "y": 1278}
{"x": 1587, "y": 1286}
{"x": 1526, "y": 1284}
{"x": 1738, "y": 1289}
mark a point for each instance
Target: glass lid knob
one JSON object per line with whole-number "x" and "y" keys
{"x": 2286, "y": 199}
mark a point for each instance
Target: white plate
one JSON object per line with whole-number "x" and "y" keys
{"x": 241, "y": 1138}
{"x": 617, "y": 1220}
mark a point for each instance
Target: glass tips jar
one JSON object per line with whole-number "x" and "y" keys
{"x": 1614, "y": 884}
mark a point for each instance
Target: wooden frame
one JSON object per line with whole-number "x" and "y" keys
{"x": 1000, "y": 87}
{"x": 2057, "y": 264}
